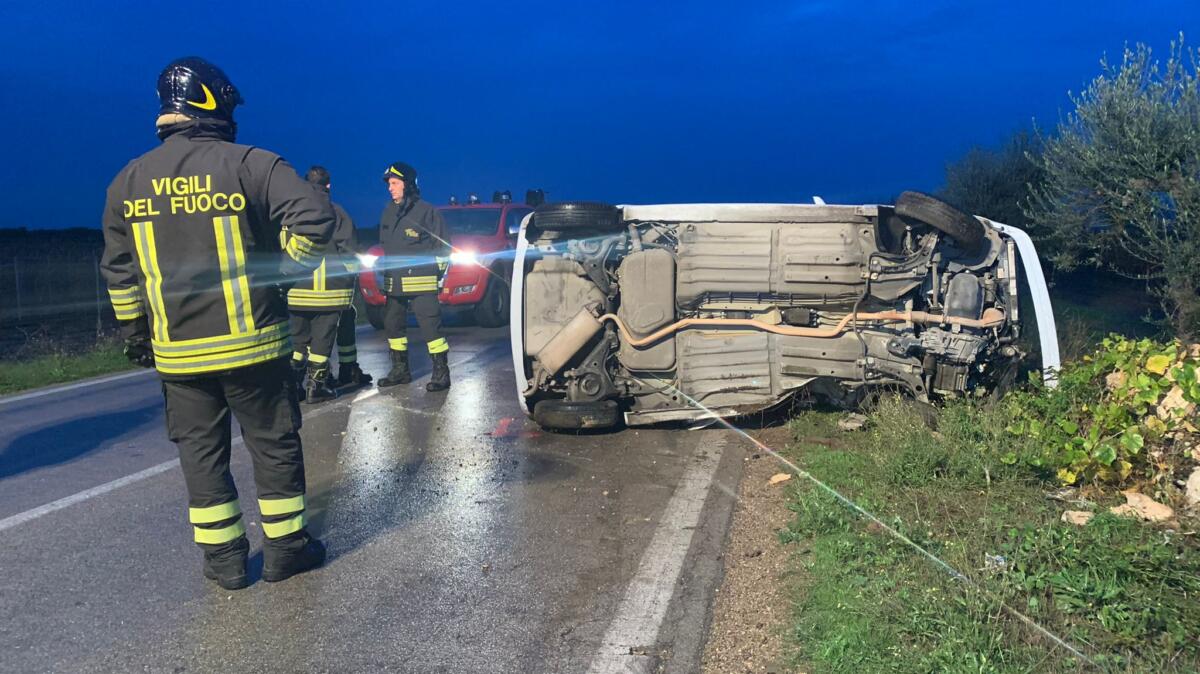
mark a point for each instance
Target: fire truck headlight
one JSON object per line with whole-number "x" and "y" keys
{"x": 465, "y": 258}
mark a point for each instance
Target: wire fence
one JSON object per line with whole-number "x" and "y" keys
{"x": 52, "y": 296}
{"x": 52, "y": 303}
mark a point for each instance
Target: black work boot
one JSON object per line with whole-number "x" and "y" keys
{"x": 316, "y": 386}
{"x": 439, "y": 379}
{"x": 399, "y": 374}
{"x": 350, "y": 374}
{"x": 283, "y": 559}
{"x": 228, "y": 566}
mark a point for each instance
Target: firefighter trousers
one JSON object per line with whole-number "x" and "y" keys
{"x": 199, "y": 412}
{"x": 429, "y": 318}
{"x": 347, "y": 343}
{"x": 313, "y": 334}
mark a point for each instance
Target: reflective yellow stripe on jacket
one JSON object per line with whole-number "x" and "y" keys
{"x": 143, "y": 238}
{"x": 127, "y": 303}
{"x": 302, "y": 250}
{"x": 326, "y": 299}
{"x": 418, "y": 284}
{"x": 213, "y": 354}
{"x": 320, "y": 296}
{"x": 231, "y": 257}
{"x": 245, "y": 343}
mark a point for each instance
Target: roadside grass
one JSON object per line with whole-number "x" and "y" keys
{"x": 44, "y": 370}
{"x": 1125, "y": 593}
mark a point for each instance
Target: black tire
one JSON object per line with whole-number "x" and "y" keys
{"x": 375, "y": 315}
{"x": 566, "y": 215}
{"x": 492, "y": 310}
{"x": 965, "y": 230}
{"x": 566, "y": 415}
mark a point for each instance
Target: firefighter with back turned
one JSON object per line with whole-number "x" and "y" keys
{"x": 195, "y": 266}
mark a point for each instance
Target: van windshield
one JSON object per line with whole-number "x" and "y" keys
{"x": 472, "y": 221}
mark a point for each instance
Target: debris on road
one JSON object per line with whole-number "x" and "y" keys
{"x": 777, "y": 478}
{"x": 994, "y": 563}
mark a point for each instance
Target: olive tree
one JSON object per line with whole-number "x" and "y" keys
{"x": 1121, "y": 183}
{"x": 996, "y": 183}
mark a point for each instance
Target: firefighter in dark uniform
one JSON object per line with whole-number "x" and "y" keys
{"x": 417, "y": 248}
{"x": 317, "y": 303}
{"x": 350, "y": 373}
{"x": 194, "y": 262}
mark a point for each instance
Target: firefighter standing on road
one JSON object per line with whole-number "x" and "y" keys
{"x": 317, "y": 303}
{"x": 417, "y": 248}
{"x": 192, "y": 257}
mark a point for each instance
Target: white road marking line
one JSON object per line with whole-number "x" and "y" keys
{"x": 99, "y": 490}
{"x": 369, "y": 393}
{"x": 71, "y": 387}
{"x": 21, "y": 518}
{"x": 648, "y": 595}
{"x": 66, "y": 501}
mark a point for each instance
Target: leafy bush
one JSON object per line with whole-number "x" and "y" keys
{"x": 1120, "y": 415}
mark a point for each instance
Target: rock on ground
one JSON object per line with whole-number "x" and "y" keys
{"x": 1077, "y": 517}
{"x": 1193, "y": 487}
{"x": 852, "y": 422}
{"x": 1143, "y": 507}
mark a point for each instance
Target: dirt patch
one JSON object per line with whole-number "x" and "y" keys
{"x": 751, "y": 610}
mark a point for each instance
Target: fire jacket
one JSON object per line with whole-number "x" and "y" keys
{"x": 416, "y": 247}
{"x": 331, "y": 285}
{"x": 192, "y": 252}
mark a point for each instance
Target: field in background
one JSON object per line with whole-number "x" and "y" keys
{"x": 54, "y": 298}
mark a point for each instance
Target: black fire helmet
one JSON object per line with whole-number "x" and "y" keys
{"x": 402, "y": 171}
{"x": 194, "y": 87}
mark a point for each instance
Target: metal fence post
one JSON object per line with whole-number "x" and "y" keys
{"x": 96, "y": 266}
{"x": 17, "y": 276}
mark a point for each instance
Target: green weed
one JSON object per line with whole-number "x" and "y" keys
{"x": 57, "y": 368}
{"x": 1123, "y": 592}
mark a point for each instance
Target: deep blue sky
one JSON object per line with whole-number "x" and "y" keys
{"x": 631, "y": 102}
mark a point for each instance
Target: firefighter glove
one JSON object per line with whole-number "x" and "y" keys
{"x": 139, "y": 353}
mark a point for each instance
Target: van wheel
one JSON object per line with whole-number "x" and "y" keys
{"x": 567, "y": 415}
{"x": 965, "y": 230}
{"x": 375, "y": 315}
{"x": 492, "y": 310}
{"x": 566, "y": 215}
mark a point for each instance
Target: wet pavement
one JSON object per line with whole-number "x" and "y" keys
{"x": 462, "y": 538}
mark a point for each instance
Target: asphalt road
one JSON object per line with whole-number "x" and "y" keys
{"x": 461, "y": 537}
